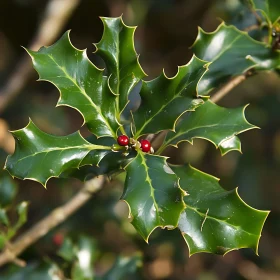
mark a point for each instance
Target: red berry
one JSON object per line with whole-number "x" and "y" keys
{"x": 58, "y": 239}
{"x": 123, "y": 140}
{"x": 145, "y": 145}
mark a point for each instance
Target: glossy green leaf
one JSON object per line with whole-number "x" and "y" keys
{"x": 231, "y": 52}
{"x": 8, "y": 189}
{"x": 123, "y": 269}
{"x": 82, "y": 86}
{"x": 165, "y": 99}
{"x": 152, "y": 193}
{"x": 231, "y": 144}
{"x": 213, "y": 123}
{"x": 270, "y": 8}
{"x": 40, "y": 156}
{"x": 112, "y": 162}
{"x": 117, "y": 50}
{"x": 215, "y": 220}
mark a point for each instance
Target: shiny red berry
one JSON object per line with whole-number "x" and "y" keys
{"x": 58, "y": 239}
{"x": 123, "y": 140}
{"x": 145, "y": 145}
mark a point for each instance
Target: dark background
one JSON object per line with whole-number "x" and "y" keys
{"x": 167, "y": 28}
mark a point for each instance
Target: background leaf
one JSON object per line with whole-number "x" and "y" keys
{"x": 4, "y": 218}
{"x": 231, "y": 52}
{"x": 8, "y": 229}
{"x": 43, "y": 271}
{"x": 213, "y": 123}
{"x": 8, "y": 189}
{"x": 152, "y": 193}
{"x": 164, "y": 100}
{"x": 215, "y": 220}
{"x": 40, "y": 156}
{"x": 22, "y": 209}
{"x": 123, "y": 268}
{"x": 2, "y": 241}
{"x": 86, "y": 255}
{"x": 67, "y": 250}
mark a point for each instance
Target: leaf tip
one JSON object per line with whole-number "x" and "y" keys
{"x": 44, "y": 184}
{"x": 252, "y": 125}
{"x": 264, "y": 214}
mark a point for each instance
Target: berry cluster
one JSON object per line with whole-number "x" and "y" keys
{"x": 145, "y": 145}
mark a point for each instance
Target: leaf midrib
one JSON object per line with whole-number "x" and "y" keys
{"x": 148, "y": 179}
{"x": 225, "y": 49}
{"x": 162, "y": 108}
{"x": 237, "y": 228}
{"x": 84, "y": 147}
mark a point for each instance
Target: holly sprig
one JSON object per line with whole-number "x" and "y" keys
{"x": 157, "y": 194}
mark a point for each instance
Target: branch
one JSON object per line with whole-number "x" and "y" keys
{"x": 56, "y": 15}
{"x": 228, "y": 87}
{"x": 7, "y": 141}
{"x": 56, "y": 217}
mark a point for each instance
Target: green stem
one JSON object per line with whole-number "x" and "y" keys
{"x": 118, "y": 148}
{"x": 122, "y": 130}
{"x": 98, "y": 147}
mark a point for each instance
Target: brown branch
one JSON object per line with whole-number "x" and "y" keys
{"x": 56, "y": 217}
{"x": 228, "y": 87}
{"x": 249, "y": 270}
{"x": 56, "y": 15}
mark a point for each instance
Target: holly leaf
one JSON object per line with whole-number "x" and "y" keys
{"x": 82, "y": 85}
{"x": 231, "y": 52}
{"x": 39, "y": 156}
{"x": 231, "y": 144}
{"x": 213, "y": 123}
{"x": 215, "y": 220}
{"x": 165, "y": 99}
{"x": 269, "y": 8}
{"x": 116, "y": 47}
{"x": 152, "y": 193}
{"x": 110, "y": 163}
